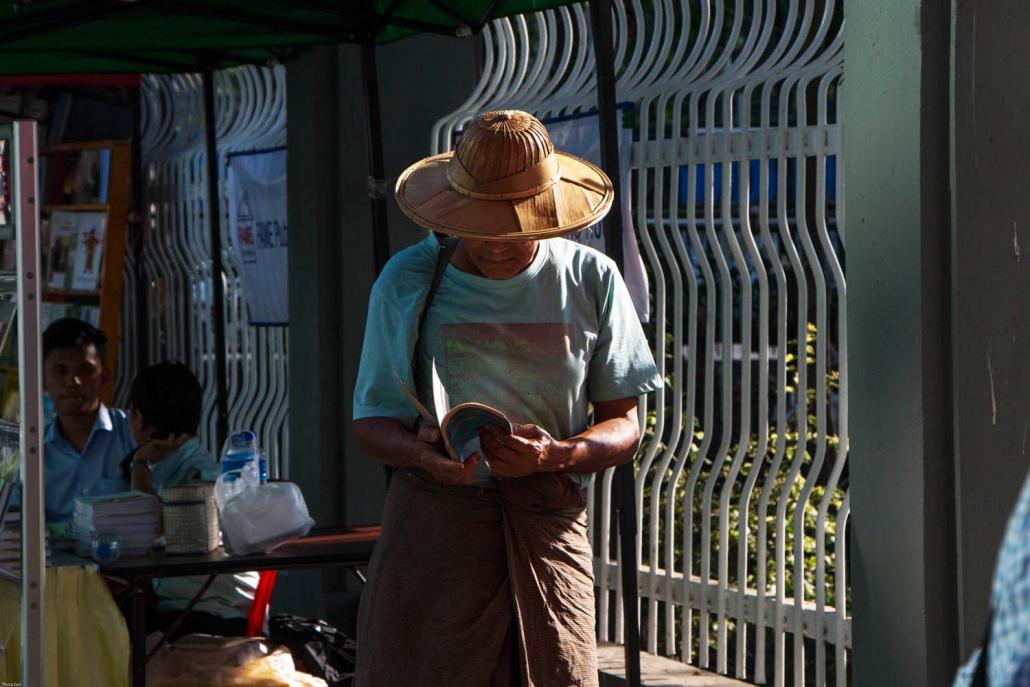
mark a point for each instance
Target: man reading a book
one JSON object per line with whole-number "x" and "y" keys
{"x": 85, "y": 442}
{"x": 483, "y": 573}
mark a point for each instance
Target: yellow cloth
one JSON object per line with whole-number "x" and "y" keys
{"x": 86, "y": 640}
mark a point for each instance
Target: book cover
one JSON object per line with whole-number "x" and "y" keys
{"x": 6, "y": 491}
{"x": 8, "y": 310}
{"x": 11, "y": 408}
{"x": 89, "y": 313}
{"x": 123, "y": 502}
{"x": 60, "y": 250}
{"x": 76, "y": 177}
{"x": 89, "y": 250}
{"x": 459, "y": 425}
{"x": 51, "y": 312}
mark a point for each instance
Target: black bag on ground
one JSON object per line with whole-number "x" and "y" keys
{"x": 318, "y": 648}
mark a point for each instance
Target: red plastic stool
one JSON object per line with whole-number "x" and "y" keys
{"x": 262, "y": 596}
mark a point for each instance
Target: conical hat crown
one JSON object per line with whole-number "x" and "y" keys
{"x": 504, "y": 181}
{"x": 501, "y": 145}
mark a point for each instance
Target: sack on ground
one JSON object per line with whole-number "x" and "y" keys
{"x": 206, "y": 661}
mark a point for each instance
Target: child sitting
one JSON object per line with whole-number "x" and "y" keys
{"x": 165, "y": 403}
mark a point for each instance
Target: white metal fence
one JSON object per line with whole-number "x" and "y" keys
{"x": 250, "y": 114}
{"x": 737, "y": 188}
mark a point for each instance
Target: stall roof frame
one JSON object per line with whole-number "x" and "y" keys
{"x": 173, "y": 36}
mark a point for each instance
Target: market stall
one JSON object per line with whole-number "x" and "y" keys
{"x": 72, "y": 36}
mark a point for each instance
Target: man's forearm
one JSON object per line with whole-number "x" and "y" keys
{"x": 603, "y": 445}
{"x": 139, "y": 478}
{"x": 388, "y": 441}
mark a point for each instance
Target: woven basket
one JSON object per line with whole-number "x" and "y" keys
{"x": 190, "y": 518}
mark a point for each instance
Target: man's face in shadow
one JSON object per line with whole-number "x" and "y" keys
{"x": 499, "y": 259}
{"x": 73, "y": 377}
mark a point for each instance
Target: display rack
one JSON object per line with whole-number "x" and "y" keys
{"x": 19, "y": 220}
{"x": 85, "y": 189}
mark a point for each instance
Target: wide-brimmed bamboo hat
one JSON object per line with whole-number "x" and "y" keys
{"x": 504, "y": 181}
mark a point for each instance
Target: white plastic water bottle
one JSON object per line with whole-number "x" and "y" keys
{"x": 239, "y": 449}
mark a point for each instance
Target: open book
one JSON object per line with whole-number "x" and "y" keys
{"x": 459, "y": 425}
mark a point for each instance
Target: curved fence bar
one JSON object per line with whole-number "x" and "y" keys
{"x": 251, "y": 115}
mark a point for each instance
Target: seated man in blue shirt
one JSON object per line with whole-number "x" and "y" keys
{"x": 85, "y": 442}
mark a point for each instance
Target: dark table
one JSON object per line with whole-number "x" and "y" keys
{"x": 349, "y": 548}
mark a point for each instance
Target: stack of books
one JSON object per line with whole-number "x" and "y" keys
{"x": 10, "y": 543}
{"x": 132, "y": 517}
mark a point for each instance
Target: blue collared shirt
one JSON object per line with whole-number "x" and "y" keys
{"x": 1009, "y": 664}
{"x": 97, "y": 470}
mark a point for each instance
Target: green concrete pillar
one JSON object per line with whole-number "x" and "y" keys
{"x": 331, "y": 256}
{"x": 896, "y": 134}
{"x": 991, "y": 277}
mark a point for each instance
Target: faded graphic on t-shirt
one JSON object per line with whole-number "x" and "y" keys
{"x": 538, "y": 346}
{"x": 525, "y": 370}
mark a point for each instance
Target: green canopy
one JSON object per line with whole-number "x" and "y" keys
{"x": 165, "y": 36}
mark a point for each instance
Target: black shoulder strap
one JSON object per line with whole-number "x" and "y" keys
{"x": 447, "y": 247}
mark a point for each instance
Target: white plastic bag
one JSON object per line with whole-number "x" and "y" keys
{"x": 235, "y": 482}
{"x": 259, "y": 517}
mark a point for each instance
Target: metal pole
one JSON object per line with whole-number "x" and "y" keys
{"x": 601, "y": 21}
{"x": 24, "y": 175}
{"x": 376, "y": 168}
{"x": 625, "y": 501}
{"x": 141, "y": 214}
{"x": 214, "y": 214}
{"x": 624, "y": 497}
{"x": 139, "y": 585}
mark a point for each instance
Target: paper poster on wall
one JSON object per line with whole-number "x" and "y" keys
{"x": 581, "y": 137}
{"x": 258, "y": 231}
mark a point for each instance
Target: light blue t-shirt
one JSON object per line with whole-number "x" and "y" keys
{"x": 96, "y": 471}
{"x": 189, "y": 461}
{"x": 229, "y": 596}
{"x": 539, "y": 346}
